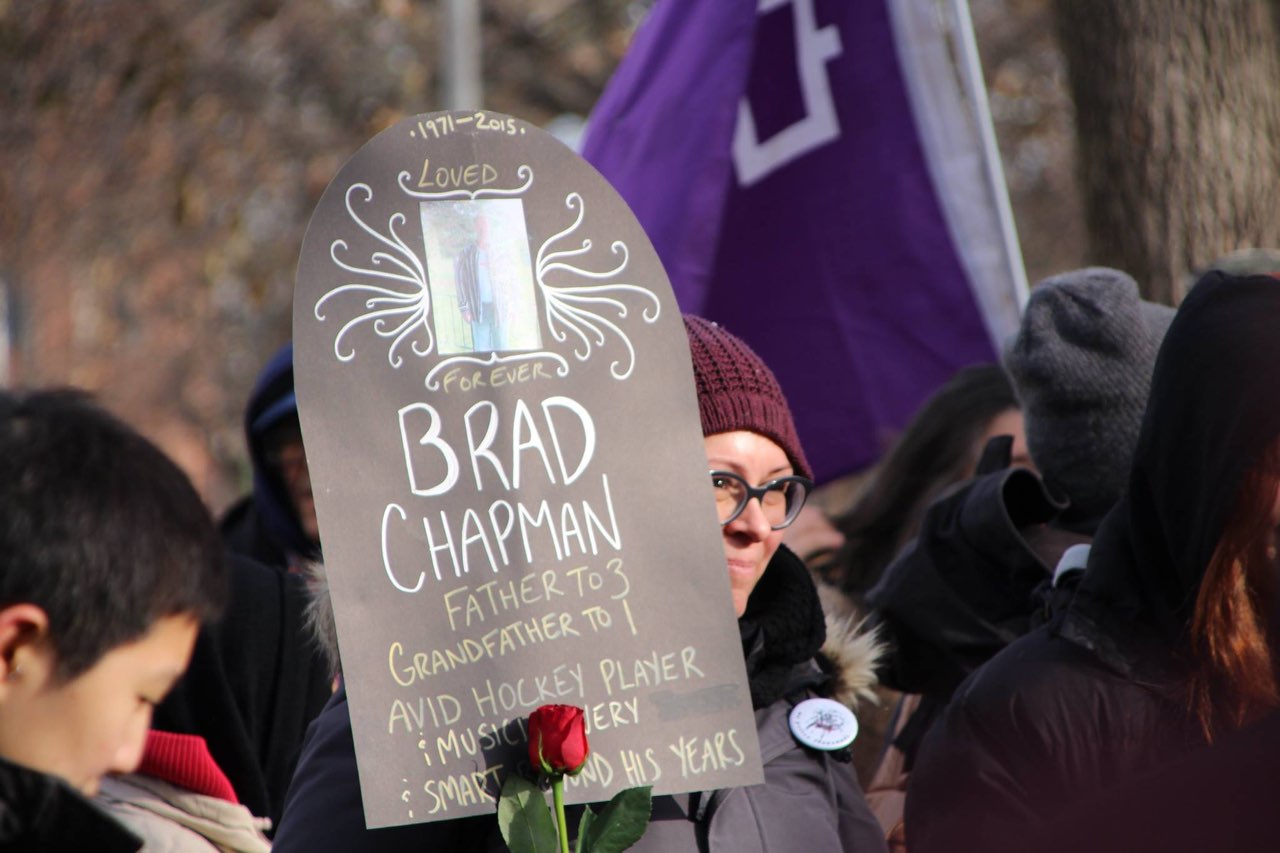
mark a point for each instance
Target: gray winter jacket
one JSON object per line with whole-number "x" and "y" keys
{"x": 174, "y": 820}
{"x": 809, "y": 801}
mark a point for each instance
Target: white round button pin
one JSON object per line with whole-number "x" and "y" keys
{"x": 823, "y": 724}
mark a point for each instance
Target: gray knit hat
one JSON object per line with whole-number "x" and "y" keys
{"x": 1081, "y": 365}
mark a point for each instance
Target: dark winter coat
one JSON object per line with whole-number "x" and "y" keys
{"x": 961, "y": 591}
{"x": 41, "y": 813}
{"x": 1219, "y": 797}
{"x": 254, "y": 684}
{"x": 1099, "y": 694}
{"x": 263, "y": 524}
{"x": 966, "y": 586}
{"x": 810, "y": 800}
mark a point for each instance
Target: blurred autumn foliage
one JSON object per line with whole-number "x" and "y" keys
{"x": 162, "y": 159}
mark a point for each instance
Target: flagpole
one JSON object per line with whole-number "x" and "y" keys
{"x": 5, "y": 342}
{"x": 462, "y": 69}
{"x": 971, "y": 67}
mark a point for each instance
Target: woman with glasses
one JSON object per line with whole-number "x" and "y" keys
{"x": 810, "y": 799}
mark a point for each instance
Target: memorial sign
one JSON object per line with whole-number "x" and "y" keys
{"x": 498, "y": 408}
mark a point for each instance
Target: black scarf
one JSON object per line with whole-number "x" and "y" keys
{"x": 782, "y": 630}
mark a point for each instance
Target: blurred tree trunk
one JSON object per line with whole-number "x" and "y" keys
{"x": 1178, "y": 124}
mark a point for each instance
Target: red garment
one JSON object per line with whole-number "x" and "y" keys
{"x": 184, "y": 760}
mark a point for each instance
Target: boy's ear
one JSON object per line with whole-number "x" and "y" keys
{"x": 24, "y": 633}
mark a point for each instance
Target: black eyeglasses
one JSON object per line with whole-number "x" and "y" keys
{"x": 781, "y": 499}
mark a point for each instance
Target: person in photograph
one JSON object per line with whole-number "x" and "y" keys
{"x": 473, "y": 277}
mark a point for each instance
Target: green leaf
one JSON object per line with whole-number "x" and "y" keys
{"x": 584, "y": 826}
{"x": 621, "y": 823}
{"x": 523, "y": 817}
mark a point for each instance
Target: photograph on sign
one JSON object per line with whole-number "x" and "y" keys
{"x": 480, "y": 275}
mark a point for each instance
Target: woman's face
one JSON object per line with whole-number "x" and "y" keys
{"x": 96, "y": 723}
{"x": 749, "y": 541}
{"x": 1009, "y": 422}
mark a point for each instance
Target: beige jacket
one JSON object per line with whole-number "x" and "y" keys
{"x": 174, "y": 820}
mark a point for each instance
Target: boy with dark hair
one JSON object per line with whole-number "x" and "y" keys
{"x": 109, "y": 562}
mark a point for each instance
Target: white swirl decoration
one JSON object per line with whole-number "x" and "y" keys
{"x": 585, "y": 307}
{"x": 579, "y": 309}
{"x": 394, "y": 283}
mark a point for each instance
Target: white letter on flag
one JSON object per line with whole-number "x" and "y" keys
{"x": 755, "y": 160}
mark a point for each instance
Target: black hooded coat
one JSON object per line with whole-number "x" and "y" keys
{"x": 1099, "y": 694}
{"x": 964, "y": 589}
{"x": 254, "y": 684}
{"x": 263, "y": 524}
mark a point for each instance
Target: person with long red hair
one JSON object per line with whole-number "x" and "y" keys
{"x": 1170, "y": 641}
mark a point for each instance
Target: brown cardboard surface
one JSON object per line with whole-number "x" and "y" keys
{"x": 498, "y": 408}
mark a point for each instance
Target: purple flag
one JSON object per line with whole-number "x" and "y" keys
{"x": 786, "y": 161}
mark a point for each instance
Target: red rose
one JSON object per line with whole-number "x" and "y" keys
{"x": 558, "y": 739}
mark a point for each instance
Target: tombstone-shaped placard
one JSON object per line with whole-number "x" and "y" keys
{"x": 499, "y": 413}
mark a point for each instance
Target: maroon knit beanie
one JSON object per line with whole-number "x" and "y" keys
{"x": 736, "y": 390}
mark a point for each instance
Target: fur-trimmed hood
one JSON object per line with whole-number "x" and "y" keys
{"x": 854, "y": 652}
{"x": 318, "y": 616}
